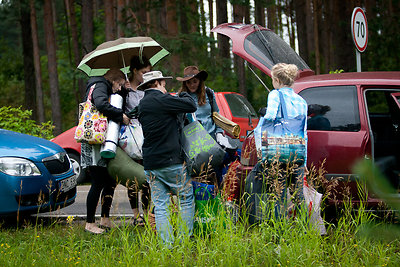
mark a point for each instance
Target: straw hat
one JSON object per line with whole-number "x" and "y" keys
{"x": 191, "y": 72}
{"x": 153, "y": 75}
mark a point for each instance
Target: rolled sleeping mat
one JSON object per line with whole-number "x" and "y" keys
{"x": 125, "y": 170}
{"x": 109, "y": 146}
{"x": 229, "y": 126}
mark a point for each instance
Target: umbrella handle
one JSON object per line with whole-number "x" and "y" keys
{"x": 141, "y": 54}
{"x": 123, "y": 61}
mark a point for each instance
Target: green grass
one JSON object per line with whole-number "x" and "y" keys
{"x": 356, "y": 239}
{"x": 273, "y": 243}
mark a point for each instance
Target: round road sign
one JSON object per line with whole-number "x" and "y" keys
{"x": 359, "y": 29}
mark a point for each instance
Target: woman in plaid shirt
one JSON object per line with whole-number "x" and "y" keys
{"x": 283, "y": 76}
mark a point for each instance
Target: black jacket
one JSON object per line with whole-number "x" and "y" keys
{"x": 158, "y": 115}
{"x": 100, "y": 97}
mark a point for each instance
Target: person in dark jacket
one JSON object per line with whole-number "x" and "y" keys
{"x": 162, "y": 157}
{"x": 91, "y": 160}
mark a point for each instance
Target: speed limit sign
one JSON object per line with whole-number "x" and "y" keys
{"x": 359, "y": 29}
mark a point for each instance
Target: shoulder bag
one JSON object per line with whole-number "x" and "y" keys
{"x": 282, "y": 138}
{"x": 92, "y": 124}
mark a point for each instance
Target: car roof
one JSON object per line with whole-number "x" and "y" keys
{"x": 391, "y": 78}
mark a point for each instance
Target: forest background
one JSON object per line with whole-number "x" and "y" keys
{"x": 42, "y": 42}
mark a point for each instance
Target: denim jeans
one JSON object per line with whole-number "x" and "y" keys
{"x": 296, "y": 179}
{"x": 164, "y": 182}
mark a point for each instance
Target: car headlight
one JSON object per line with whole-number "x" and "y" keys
{"x": 18, "y": 167}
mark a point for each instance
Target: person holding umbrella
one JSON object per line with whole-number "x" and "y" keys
{"x": 91, "y": 160}
{"x": 162, "y": 153}
{"x": 139, "y": 65}
{"x": 114, "y": 54}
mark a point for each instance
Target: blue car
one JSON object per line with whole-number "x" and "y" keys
{"x": 36, "y": 175}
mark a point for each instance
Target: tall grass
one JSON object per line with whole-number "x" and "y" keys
{"x": 283, "y": 243}
{"x": 274, "y": 242}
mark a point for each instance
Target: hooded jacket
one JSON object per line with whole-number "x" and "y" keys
{"x": 100, "y": 98}
{"x": 158, "y": 114}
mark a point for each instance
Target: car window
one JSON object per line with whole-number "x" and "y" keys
{"x": 240, "y": 106}
{"x": 335, "y": 108}
{"x": 377, "y": 101}
{"x": 268, "y": 48}
{"x": 382, "y": 106}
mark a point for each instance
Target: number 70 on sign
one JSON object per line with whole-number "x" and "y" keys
{"x": 359, "y": 29}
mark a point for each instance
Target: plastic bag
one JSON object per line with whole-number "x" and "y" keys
{"x": 313, "y": 204}
{"x": 131, "y": 140}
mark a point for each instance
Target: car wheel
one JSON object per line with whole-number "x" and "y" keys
{"x": 76, "y": 165}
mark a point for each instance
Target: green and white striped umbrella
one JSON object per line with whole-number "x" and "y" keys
{"x": 118, "y": 53}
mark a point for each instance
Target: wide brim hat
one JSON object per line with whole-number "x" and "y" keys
{"x": 191, "y": 72}
{"x": 151, "y": 76}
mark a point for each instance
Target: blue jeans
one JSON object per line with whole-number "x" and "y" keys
{"x": 164, "y": 182}
{"x": 296, "y": 179}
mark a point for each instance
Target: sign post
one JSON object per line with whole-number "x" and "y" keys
{"x": 359, "y": 31}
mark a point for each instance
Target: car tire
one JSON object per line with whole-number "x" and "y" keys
{"x": 76, "y": 164}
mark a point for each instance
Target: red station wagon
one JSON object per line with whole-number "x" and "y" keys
{"x": 358, "y": 113}
{"x": 232, "y": 106}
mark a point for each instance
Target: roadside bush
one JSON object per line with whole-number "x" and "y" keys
{"x": 19, "y": 120}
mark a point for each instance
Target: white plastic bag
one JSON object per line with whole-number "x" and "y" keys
{"x": 131, "y": 139}
{"x": 313, "y": 204}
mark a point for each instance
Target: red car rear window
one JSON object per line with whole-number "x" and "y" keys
{"x": 240, "y": 106}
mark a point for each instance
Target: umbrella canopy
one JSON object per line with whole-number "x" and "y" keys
{"x": 117, "y": 54}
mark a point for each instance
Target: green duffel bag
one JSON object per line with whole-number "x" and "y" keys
{"x": 125, "y": 170}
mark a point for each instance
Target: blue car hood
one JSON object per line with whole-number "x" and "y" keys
{"x": 13, "y": 144}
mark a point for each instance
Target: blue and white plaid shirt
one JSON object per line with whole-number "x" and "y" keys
{"x": 295, "y": 105}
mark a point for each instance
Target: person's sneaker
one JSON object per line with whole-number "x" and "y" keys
{"x": 106, "y": 223}
{"x": 93, "y": 229}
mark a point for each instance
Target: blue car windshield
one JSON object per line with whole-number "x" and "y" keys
{"x": 269, "y": 49}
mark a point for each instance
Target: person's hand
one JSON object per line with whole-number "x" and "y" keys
{"x": 125, "y": 119}
{"x": 128, "y": 85}
{"x": 183, "y": 94}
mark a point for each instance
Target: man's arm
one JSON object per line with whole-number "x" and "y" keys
{"x": 183, "y": 103}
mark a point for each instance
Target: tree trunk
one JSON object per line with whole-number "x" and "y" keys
{"x": 327, "y": 36}
{"x": 203, "y": 19}
{"x": 36, "y": 60}
{"x": 120, "y": 18}
{"x": 290, "y": 22}
{"x": 222, "y": 17}
{"x": 52, "y": 66}
{"x": 184, "y": 20}
{"x": 246, "y": 12}
{"x": 316, "y": 36}
{"x": 75, "y": 47}
{"x": 343, "y": 47}
{"x": 142, "y": 16}
{"x": 87, "y": 26}
{"x": 172, "y": 31}
{"x": 27, "y": 50}
{"x": 211, "y": 21}
{"x": 259, "y": 13}
{"x": 279, "y": 24}
{"x": 162, "y": 22}
{"x": 109, "y": 19}
{"x": 271, "y": 15}
{"x": 300, "y": 10}
{"x": 309, "y": 30}
{"x": 194, "y": 19}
